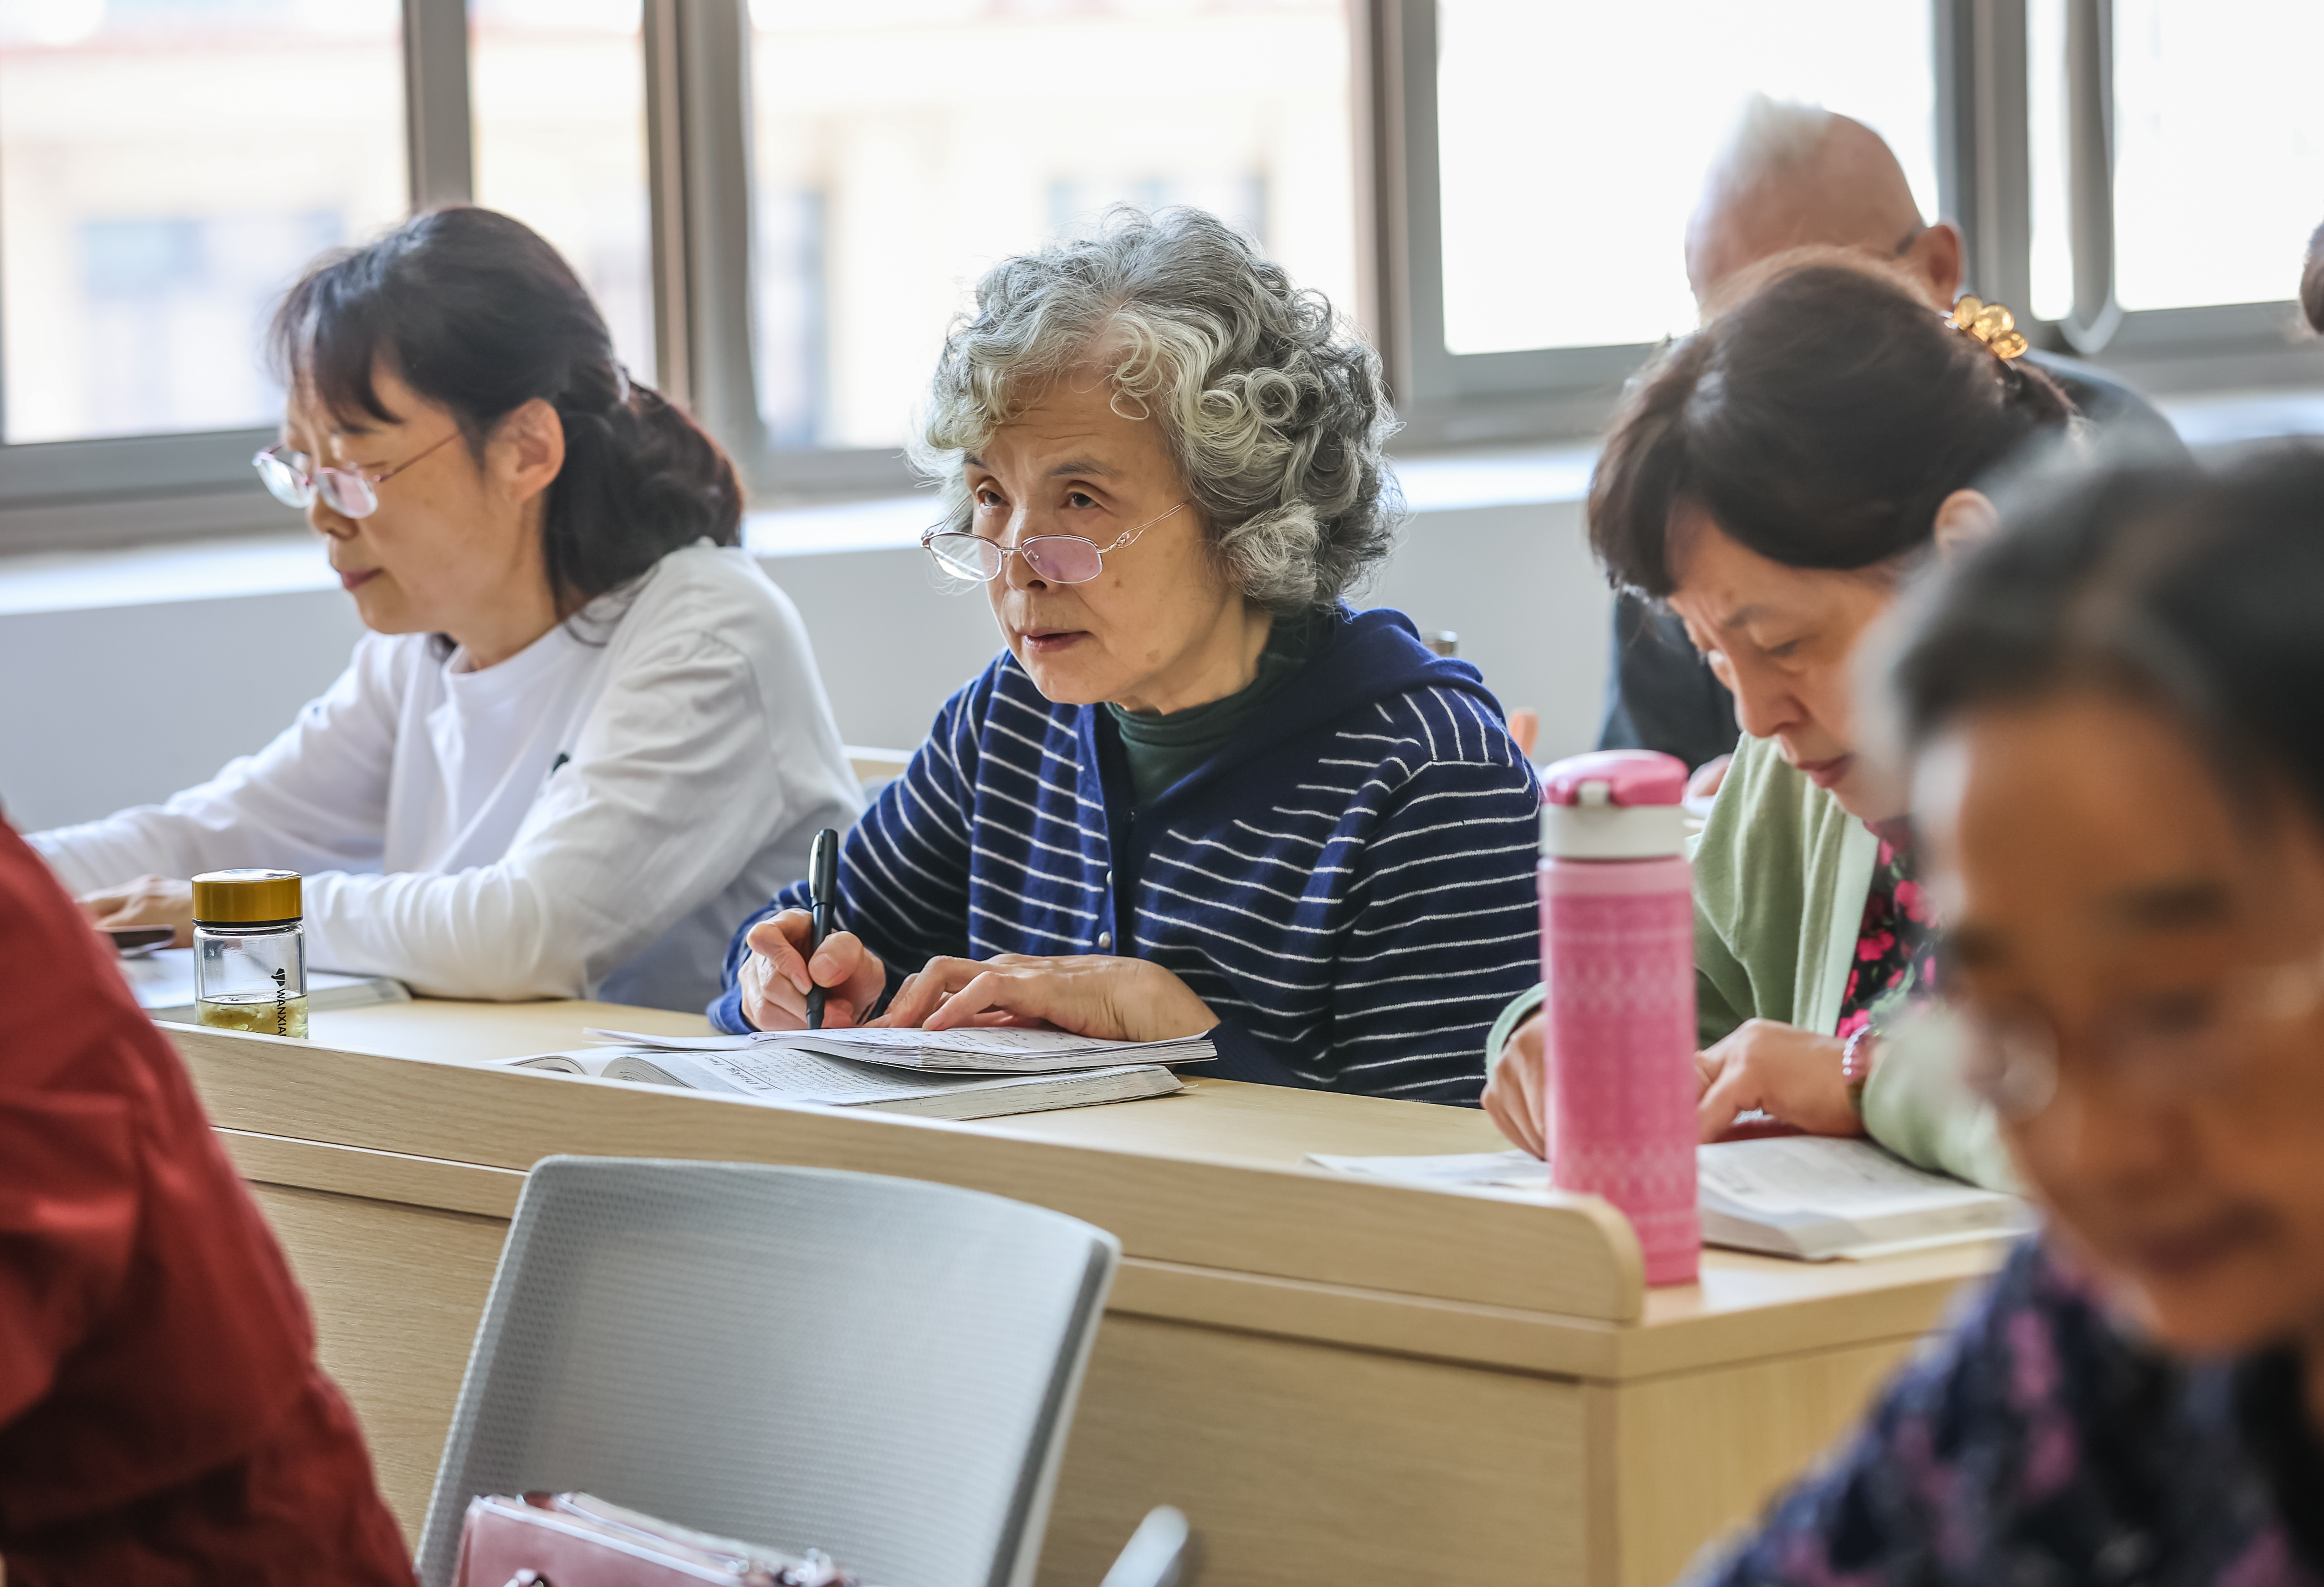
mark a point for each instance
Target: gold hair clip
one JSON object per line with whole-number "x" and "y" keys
{"x": 1991, "y": 324}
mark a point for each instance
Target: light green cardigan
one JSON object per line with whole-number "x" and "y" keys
{"x": 1781, "y": 874}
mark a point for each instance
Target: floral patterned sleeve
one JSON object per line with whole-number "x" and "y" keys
{"x": 1896, "y": 959}
{"x": 2033, "y": 1443}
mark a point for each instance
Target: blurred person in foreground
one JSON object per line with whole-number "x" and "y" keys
{"x": 1795, "y": 176}
{"x": 2113, "y": 718}
{"x": 162, "y": 1420}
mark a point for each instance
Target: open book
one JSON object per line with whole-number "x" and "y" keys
{"x": 789, "y": 1074}
{"x": 1789, "y": 1196}
{"x": 163, "y": 984}
{"x": 983, "y": 1050}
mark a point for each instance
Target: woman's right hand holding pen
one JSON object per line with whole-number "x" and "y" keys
{"x": 776, "y": 978}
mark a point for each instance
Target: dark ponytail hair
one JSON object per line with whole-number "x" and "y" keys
{"x": 1821, "y": 422}
{"x": 476, "y": 311}
{"x": 2191, "y": 593}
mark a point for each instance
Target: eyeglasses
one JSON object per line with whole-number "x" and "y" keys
{"x": 345, "y": 491}
{"x": 2171, "y": 1045}
{"x": 1055, "y": 558}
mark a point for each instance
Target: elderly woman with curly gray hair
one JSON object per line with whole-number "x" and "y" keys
{"x": 1197, "y": 793}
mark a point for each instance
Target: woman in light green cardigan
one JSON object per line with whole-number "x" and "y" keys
{"x": 1772, "y": 479}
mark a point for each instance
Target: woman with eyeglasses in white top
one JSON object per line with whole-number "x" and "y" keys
{"x": 586, "y": 732}
{"x": 1196, "y": 793}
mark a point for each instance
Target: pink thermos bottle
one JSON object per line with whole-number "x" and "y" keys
{"x": 1618, "y": 961}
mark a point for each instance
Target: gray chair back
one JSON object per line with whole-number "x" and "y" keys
{"x": 879, "y": 1368}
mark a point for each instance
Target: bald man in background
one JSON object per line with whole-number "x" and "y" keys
{"x": 1791, "y": 176}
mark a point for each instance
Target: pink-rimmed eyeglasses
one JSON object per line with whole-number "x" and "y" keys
{"x": 1055, "y": 558}
{"x": 291, "y": 479}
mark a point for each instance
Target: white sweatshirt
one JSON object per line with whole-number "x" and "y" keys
{"x": 591, "y": 817}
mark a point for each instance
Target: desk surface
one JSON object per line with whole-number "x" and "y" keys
{"x": 1332, "y": 1373}
{"x": 1503, "y": 1277}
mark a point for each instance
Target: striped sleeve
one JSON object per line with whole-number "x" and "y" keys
{"x": 1445, "y": 930}
{"x": 904, "y": 866}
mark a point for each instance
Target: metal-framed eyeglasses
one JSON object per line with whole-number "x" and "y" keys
{"x": 2171, "y": 1046}
{"x": 293, "y": 480}
{"x": 1054, "y": 559}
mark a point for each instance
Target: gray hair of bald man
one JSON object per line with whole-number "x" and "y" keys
{"x": 1795, "y": 175}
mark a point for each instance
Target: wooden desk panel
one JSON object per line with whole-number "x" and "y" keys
{"x": 1569, "y": 1254}
{"x": 397, "y": 1293}
{"x": 1303, "y": 1463}
{"x": 1335, "y": 1379}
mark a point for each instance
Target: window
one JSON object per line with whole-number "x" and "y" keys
{"x": 1566, "y": 186}
{"x": 2175, "y": 157}
{"x": 558, "y": 91}
{"x": 2219, "y": 155}
{"x": 166, "y": 169}
{"x": 901, "y": 146}
{"x": 781, "y": 205}
{"x": 2136, "y": 177}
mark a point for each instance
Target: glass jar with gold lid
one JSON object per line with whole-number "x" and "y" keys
{"x": 250, "y": 951}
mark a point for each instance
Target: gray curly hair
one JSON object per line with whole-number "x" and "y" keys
{"x": 1275, "y": 414}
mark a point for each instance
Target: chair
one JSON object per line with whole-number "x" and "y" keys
{"x": 1159, "y": 1554}
{"x": 875, "y": 769}
{"x": 879, "y": 1368}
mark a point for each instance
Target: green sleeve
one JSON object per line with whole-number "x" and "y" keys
{"x": 1747, "y": 896}
{"x": 1767, "y": 867}
{"x": 1918, "y": 1106}
{"x": 1715, "y": 1018}
{"x": 1518, "y": 1011}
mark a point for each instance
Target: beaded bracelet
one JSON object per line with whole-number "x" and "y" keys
{"x": 1856, "y": 1065}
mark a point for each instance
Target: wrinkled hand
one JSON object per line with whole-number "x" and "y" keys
{"x": 150, "y": 901}
{"x": 778, "y": 975}
{"x": 1781, "y": 1069}
{"x": 1517, "y": 1093}
{"x": 1097, "y": 996}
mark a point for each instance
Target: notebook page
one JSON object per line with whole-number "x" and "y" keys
{"x": 984, "y": 1049}
{"x": 1851, "y": 1179}
{"x": 1505, "y": 1170}
{"x": 808, "y": 1077}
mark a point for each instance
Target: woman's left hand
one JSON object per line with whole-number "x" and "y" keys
{"x": 1098, "y": 995}
{"x": 1779, "y": 1069}
{"x": 150, "y": 901}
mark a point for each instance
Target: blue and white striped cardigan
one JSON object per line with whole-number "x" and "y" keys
{"x": 1348, "y": 884}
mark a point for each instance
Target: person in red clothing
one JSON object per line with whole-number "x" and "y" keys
{"x": 162, "y": 1419}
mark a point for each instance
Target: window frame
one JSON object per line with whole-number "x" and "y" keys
{"x": 1985, "y": 180}
{"x": 1984, "y": 187}
{"x": 1448, "y": 399}
{"x": 699, "y": 135}
{"x": 124, "y": 490}
{"x": 697, "y": 59}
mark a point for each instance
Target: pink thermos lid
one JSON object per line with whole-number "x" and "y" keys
{"x": 1614, "y": 805}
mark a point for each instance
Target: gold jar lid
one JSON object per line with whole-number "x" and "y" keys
{"x": 246, "y": 898}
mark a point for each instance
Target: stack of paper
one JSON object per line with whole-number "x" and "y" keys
{"x": 983, "y": 1050}
{"x": 1795, "y": 1196}
{"x": 789, "y": 1075}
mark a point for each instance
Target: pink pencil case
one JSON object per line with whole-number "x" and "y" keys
{"x": 572, "y": 1540}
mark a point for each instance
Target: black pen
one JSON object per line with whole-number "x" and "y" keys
{"x": 823, "y": 892}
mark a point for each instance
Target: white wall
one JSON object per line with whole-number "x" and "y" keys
{"x": 112, "y": 705}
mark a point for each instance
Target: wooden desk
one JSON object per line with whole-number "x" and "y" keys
{"x": 1335, "y": 1380}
